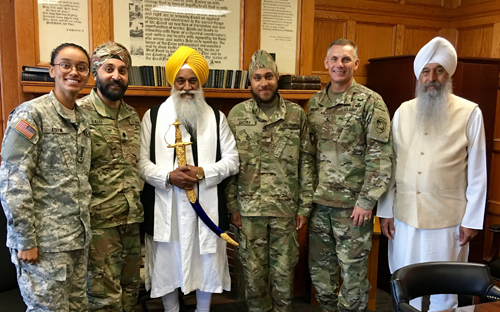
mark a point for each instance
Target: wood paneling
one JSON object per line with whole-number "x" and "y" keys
{"x": 373, "y": 40}
{"x": 26, "y": 48}
{"x": 8, "y": 87}
{"x": 475, "y": 41}
{"x": 325, "y": 31}
{"x": 416, "y": 38}
{"x": 450, "y": 34}
{"x": 306, "y": 31}
{"x": 251, "y": 30}
{"x": 378, "y": 17}
{"x": 495, "y": 45}
{"x": 429, "y": 3}
{"x": 101, "y": 19}
{"x": 388, "y": 9}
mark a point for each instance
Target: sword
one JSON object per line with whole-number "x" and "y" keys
{"x": 180, "y": 152}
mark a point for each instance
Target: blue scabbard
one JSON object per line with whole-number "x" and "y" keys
{"x": 206, "y": 219}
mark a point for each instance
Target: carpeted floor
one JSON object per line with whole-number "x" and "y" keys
{"x": 220, "y": 303}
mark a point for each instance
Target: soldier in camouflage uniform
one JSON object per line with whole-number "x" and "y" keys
{"x": 351, "y": 131}
{"x": 45, "y": 191}
{"x": 115, "y": 209}
{"x": 271, "y": 197}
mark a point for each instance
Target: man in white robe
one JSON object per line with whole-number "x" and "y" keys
{"x": 436, "y": 199}
{"x": 183, "y": 252}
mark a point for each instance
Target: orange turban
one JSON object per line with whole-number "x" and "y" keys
{"x": 191, "y": 57}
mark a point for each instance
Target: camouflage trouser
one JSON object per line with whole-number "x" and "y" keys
{"x": 268, "y": 252}
{"x": 334, "y": 241}
{"x": 56, "y": 284}
{"x": 114, "y": 264}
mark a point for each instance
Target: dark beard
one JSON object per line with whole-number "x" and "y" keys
{"x": 105, "y": 90}
{"x": 259, "y": 100}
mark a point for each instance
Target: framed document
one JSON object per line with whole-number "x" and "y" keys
{"x": 278, "y": 33}
{"x": 61, "y": 21}
{"x": 154, "y": 29}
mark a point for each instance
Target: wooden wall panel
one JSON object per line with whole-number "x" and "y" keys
{"x": 416, "y": 38}
{"x": 495, "y": 45}
{"x": 8, "y": 87}
{"x": 306, "y": 31}
{"x": 429, "y": 3}
{"x": 449, "y": 34}
{"x": 101, "y": 21}
{"x": 373, "y": 40}
{"x": 475, "y": 41}
{"x": 325, "y": 31}
{"x": 251, "y": 31}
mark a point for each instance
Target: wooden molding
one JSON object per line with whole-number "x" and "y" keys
{"x": 45, "y": 87}
{"x": 386, "y": 9}
{"x": 448, "y": 12}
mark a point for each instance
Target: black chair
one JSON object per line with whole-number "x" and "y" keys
{"x": 10, "y": 296}
{"x": 432, "y": 278}
{"x": 491, "y": 259}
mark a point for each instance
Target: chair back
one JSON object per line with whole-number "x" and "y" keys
{"x": 433, "y": 278}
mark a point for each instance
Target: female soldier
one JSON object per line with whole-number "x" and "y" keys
{"x": 45, "y": 191}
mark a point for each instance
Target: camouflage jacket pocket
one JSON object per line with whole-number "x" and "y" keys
{"x": 47, "y": 269}
{"x": 282, "y": 142}
{"x": 106, "y": 144}
{"x": 248, "y": 149}
{"x": 288, "y": 146}
{"x": 351, "y": 135}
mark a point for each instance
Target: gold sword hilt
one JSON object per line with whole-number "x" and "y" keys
{"x": 180, "y": 152}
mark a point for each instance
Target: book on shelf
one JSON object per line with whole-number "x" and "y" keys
{"x": 299, "y": 79}
{"x": 300, "y": 86}
{"x": 237, "y": 79}
{"x": 229, "y": 79}
{"x": 209, "y": 78}
{"x": 233, "y": 79}
{"x": 36, "y": 76}
{"x": 244, "y": 80}
{"x": 34, "y": 69}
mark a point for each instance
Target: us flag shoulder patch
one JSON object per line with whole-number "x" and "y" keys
{"x": 25, "y": 128}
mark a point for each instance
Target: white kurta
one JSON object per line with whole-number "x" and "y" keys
{"x": 184, "y": 252}
{"x": 412, "y": 245}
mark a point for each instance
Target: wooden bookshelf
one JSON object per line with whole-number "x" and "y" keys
{"x": 36, "y": 87}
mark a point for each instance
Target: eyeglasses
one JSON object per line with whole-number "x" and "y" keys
{"x": 66, "y": 67}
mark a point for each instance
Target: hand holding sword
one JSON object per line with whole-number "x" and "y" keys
{"x": 187, "y": 180}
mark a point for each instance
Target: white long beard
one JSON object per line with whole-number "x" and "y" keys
{"x": 432, "y": 106}
{"x": 188, "y": 110}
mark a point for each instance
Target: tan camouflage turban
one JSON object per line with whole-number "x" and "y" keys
{"x": 107, "y": 51}
{"x": 262, "y": 59}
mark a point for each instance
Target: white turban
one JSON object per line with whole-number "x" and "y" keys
{"x": 438, "y": 50}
